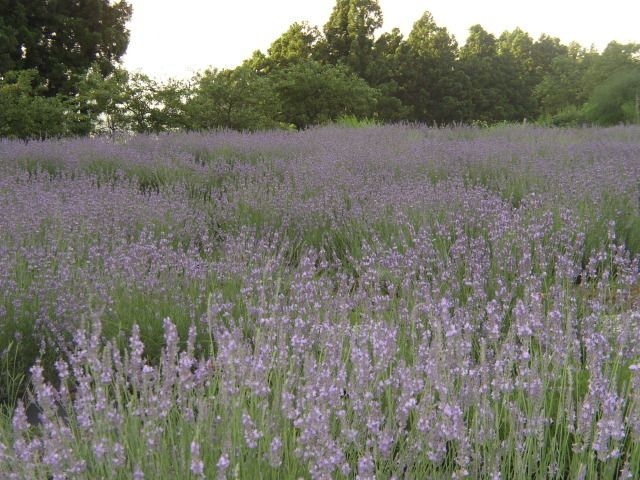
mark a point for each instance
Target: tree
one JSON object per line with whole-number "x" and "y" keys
{"x": 562, "y": 86}
{"x": 295, "y": 45}
{"x": 62, "y": 39}
{"x": 496, "y": 83}
{"x": 519, "y": 44}
{"x": 386, "y": 54}
{"x": 24, "y": 114}
{"x": 171, "y": 98}
{"x": 349, "y": 34}
{"x": 616, "y": 100}
{"x": 615, "y": 58}
{"x": 312, "y": 93}
{"x": 384, "y": 74}
{"x": 543, "y": 52}
{"x": 101, "y": 101}
{"x": 430, "y": 80}
{"x": 240, "y": 99}
{"x": 515, "y": 54}
{"x": 479, "y": 44}
{"x": 126, "y": 102}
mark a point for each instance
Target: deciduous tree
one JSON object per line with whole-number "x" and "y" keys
{"x": 240, "y": 99}
{"x": 24, "y": 113}
{"x": 312, "y": 93}
{"x": 562, "y": 86}
{"x": 349, "y": 33}
{"x": 616, "y": 100}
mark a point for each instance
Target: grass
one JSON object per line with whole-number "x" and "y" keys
{"x": 351, "y": 121}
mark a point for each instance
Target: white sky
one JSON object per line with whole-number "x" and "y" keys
{"x": 175, "y": 39}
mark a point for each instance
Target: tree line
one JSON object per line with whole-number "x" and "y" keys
{"x": 60, "y": 75}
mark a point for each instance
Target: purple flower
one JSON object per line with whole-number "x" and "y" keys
{"x": 222, "y": 465}
{"x": 275, "y": 452}
{"x": 251, "y": 433}
{"x": 197, "y": 465}
{"x": 138, "y": 474}
{"x": 19, "y": 421}
{"x": 366, "y": 468}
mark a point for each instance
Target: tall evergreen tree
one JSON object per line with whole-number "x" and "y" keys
{"x": 295, "y": 45}
{"x": 61, "y": 39}
{"x": 515, "y": 50}
{"x": 479, "y": 44}
{"x": 496, "y": 83}
{"x": 384, "y": 73}
{"x": 430, "y": 81}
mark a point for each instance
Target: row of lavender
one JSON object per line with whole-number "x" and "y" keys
{"x": 383, "y": 302}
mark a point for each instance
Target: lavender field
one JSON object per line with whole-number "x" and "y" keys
{"x": 374, "y": 303}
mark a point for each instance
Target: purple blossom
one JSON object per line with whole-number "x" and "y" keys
{"x": 385, "y": 302}
{"x": 223, "y": 465}
{"x": 275, "y": 452}
{"x": 197, "y": 465}
{"x": 251, "y": 433}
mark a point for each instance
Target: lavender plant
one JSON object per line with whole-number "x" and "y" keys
{"x": 388, "y": 302}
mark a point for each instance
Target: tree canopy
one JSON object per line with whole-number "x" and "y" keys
{"x": 61, "y": 39}
{"x": 349, "y": 33}
{"x": 313, "y": 93}
{"x": 60, "y": 75}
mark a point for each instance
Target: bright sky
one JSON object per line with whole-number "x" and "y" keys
{"x": 178, "y": 38}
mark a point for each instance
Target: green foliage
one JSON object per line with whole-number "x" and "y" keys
{"x": 102, "y": 100}
{"x": 352, "y": 121}
{"x": 240, "y": 99}
{"x": 529, "y": 61}
{"x": 69, "y": 83}
{"x": 295, "y": 45}
{"x": 479, "y": 57}
{"x": 62, "y": 39}
{"x": 543, "y": 53}
{"x": 13, "y": 374}
{"x": 533, "y": 60}
{"x": 383, "y": 73}
{"x": 124, "y": 102}
{"x": 571, "y": 116}
{"x": 169, "y": 101}
{"x": 561, "y": 88}
{"x": 617, "y": 100}
{"x": 312, "y": 93}
{"x": 614, "y": 59}
{"x": 53, "y": 46}
{"x": 496, "y": 71}
{"x": 479, "y": 44}
{"x": 24, "y": 114}
{"x": 349, "y": 33}
{"x": 519, "y": 44}
{"x": 429, "y": 80}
